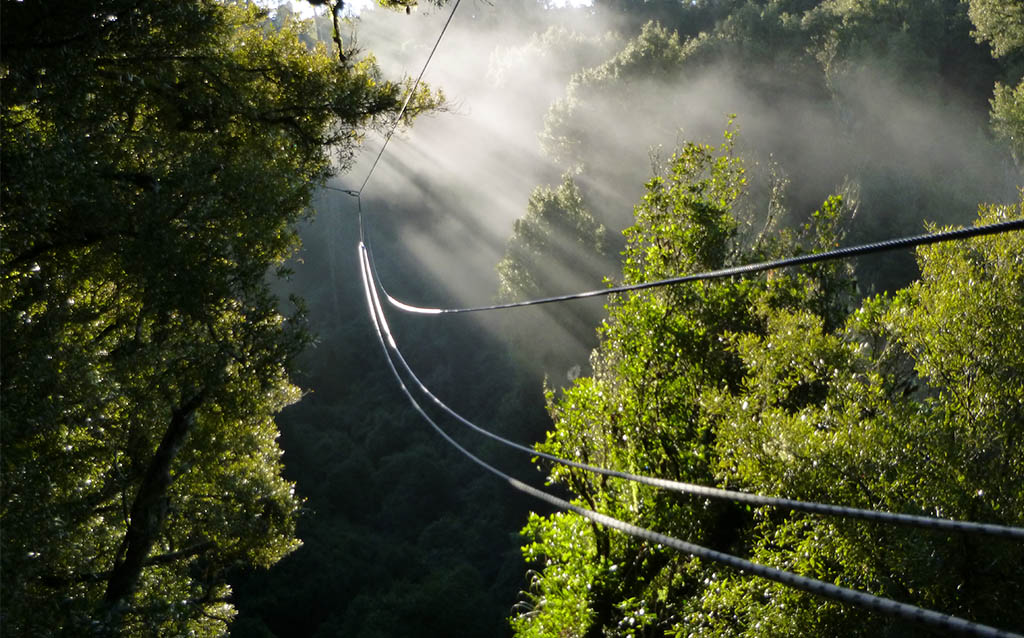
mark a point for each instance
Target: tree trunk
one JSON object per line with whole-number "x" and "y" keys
{"x": 148, "y": 512}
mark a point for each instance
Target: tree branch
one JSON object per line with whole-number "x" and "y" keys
{"x": 336, "y": 8}
{"x": 162, "y": 559}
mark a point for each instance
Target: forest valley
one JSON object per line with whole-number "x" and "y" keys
{"x": 200, "y": 436}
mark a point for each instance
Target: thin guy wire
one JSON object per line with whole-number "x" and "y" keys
{"x": 839, "y": 253}
{"x": 347, "y": 191}
{"x": 408, "y": 97}
{"x": 865, "y": 600}
{"x": 927, "y": 522}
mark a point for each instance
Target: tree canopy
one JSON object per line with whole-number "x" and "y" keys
{"x": 156, "y": 157}
{"x": 783, "y": 384}
{"x": 1001, "y": 25}
{"x": 830, "y": 90}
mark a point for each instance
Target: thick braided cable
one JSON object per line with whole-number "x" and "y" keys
{"x": 878, "y": 604}
{"x": 927, "y": 522}
{"x": 874, "y": 603}
{"x": 839, "y": 253}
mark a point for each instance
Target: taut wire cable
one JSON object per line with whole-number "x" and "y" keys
{"x": 862, "y": 599}
{"x": 876, "y": 603}
{"x": 839, "y": 253}
{"x": 405, "y": 105}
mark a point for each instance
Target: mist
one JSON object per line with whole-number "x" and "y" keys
{"x": 441, "y": 203}
{"x": 439, "y": 210}
{"x": 451, "y": 187}
{"x": 461, "y": 178}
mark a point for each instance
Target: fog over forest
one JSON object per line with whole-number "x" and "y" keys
{"x": 448, "y": 189}
{"x": 441, "y": 204}
{"x": 460, "y": 178}
{"x": 202, "y": 436}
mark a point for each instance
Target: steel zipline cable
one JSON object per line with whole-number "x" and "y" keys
{"x": 862, "y": 599}
{"x": 839, "y": 253}
{"x": 927, "y": 522}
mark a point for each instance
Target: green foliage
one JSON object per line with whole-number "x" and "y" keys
{"x": 908, "y": 40}
{"x": 556, "y": 602}
{"x": 1001, "y": 24}
{"x": 655, "y": 51}
{"x": 549, "y": 242}
{"x": 660, "y": 350}
{"x": 957, "y": 324}
{"x": 838, "y": 91}
{"x": 1008, "y": 117}
{"x": 155, "y": 158}
{"x": 778, "y": 385}
{"x": 998, "y": 22}
{"x": 685, "y": 222}
{"x": 908, "y": 407}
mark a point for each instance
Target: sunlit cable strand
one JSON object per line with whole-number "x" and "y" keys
{"x": 928, "y": 522}
{"x": 839, "y": 253}
{"x": 878, "y": 604}
{"x": 412, "y": 92}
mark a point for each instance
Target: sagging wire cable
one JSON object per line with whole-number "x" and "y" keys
{"x": 347, "y": 191}
{"x": 839, "y": 253}
{"x": 862, "y": 599}
{"x": 927, "y": 522}
{"x": 913, "y": 520}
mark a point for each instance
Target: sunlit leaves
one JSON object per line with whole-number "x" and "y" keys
{"x": 156, "y": 157}
{"x": 685, "y": 223}
{"x": 908, "y": 408}
{"x": 1001, "y": 24}
{"x": 998, "y": 22}
{"x": 957, "y": 324}
{"x": 555, "y": 603}
{"x": 781, "y": 385}
{"x": 555, "y": 236}
{"x": 1008, "y": 116}
{"x": 660, "y": 350}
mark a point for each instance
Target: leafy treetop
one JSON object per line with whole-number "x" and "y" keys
{"x": 155, "y": 158}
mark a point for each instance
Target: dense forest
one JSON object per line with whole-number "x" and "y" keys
{"x": 200, "y": 435}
